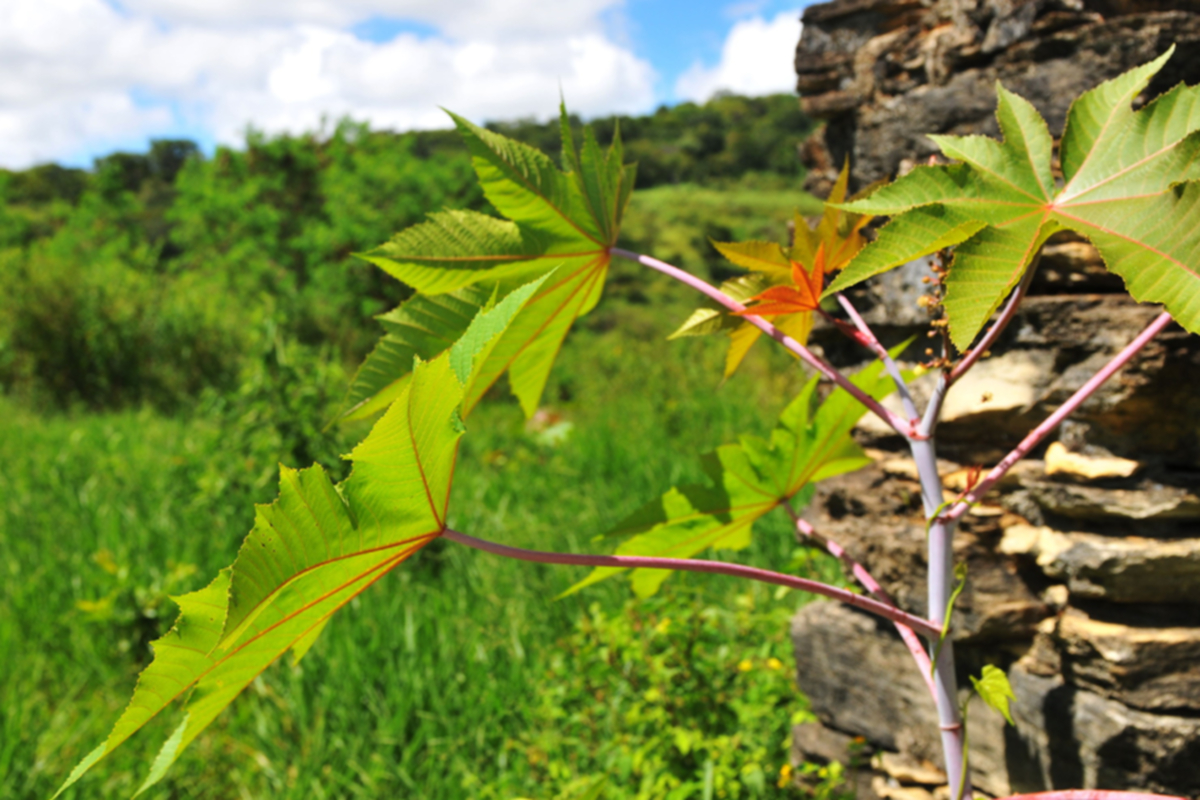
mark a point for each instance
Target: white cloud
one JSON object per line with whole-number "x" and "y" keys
{"x": 757, "y": 58}
{"x": 83, "y": 75}
{"x": 456, "y": 18}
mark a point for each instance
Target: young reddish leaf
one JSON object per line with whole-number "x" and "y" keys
{"x": 702, "y": 322}
{"x": 765, "y": 257}
{"x": 803, "y": 297}
{"x": 791, "y": 305}
{"x": 741, "y": 339}
{"x": 796, "y": 277}
{"x": 742, "y": 335}
{"x": 839, "y": 233}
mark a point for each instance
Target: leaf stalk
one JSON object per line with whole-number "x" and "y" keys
{"x": 1041, "y": 431}
{"x": 889, "y": 417}
{"x": 872, "y": 342}
{"x": 889, "y": 612}
{"x": 860, "y": 573}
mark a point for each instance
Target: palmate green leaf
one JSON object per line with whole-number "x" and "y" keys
{"x": 746, "y": 481}
{"x": 560, "y": 221}
{"x": 315, "y": 548}
{"x": 920, "y": 232}
{"x": 1129, "y": 188}
{"x": 423, "y": 326}
{"x": 179, "y": 658}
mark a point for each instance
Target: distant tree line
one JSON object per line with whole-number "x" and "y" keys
{"x": 156, "y": 275}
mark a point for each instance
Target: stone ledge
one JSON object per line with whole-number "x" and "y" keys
{"x": 1116, "y": 569}
{"x": 1145, "y": 657}
{"x": 1067, "y": 737}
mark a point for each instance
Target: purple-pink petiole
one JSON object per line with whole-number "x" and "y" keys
{"x": 911, "y": 640}
{"x": 868, "y": 338}
{"x": 892, "y": 419}
{"x": 1041, "y": 431}
{"x": 889, "y": 612}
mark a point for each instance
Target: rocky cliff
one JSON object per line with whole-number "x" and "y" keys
{"x": 885, "y": 73}
{"x": 1084, "y": 566}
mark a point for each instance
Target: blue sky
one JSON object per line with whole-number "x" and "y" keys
{"x": 84, "y": 77}
{"x": 675, "y": 35}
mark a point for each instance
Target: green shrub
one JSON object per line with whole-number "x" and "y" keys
{"x": 103, "y": 334}
{"x": 278, "y": 413}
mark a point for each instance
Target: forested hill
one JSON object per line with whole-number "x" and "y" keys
{"x": 151, "y": 277}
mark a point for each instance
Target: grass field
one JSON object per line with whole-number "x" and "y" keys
{"x": 458, "y": 675}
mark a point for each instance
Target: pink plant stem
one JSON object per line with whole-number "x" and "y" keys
{"x": 989, "y": 338}
{"x": 892, "y": 419}
{"x": 1090, "y": 794}
{"x": 911, "y": 641}
{"x": 872, "y": 342}
{"x": 1041, "y": 431}
{"x": 884, "y": 610}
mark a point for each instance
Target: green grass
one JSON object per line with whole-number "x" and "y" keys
{"x": 429, "y": 684}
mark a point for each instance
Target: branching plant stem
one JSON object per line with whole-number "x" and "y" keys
{"x": 939, "y": 579}
{"x": 918, "y": 431}
{"x": 943, "y": 681}
{"x": 933, "y": 410}
{"x": 1041, "y": 431}
{"x": 892, "y": 419}
{"x": 889, "y": 612}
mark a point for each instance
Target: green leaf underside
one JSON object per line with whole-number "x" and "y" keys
{"x": 920, "y": 232}
{"x": 563, "y": 222}
{"x": 1129, "y": 189}
{"x": 995, "y": 690}
{"x": 315, "y": 548}
{"x": 423, "y": 326}
{"x": 747, "y": 480}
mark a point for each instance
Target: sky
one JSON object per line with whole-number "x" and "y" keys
{"x": 82, "y": 78}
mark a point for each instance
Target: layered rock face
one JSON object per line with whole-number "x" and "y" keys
{"x": 1084, "y": 565}
{"x": 885, "y": 73}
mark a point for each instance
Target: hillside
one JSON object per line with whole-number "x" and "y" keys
{"x": 145, "y": 279}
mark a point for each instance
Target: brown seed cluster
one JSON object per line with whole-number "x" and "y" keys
{"x": 931, "y": 301}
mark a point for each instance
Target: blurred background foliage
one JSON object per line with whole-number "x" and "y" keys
{"x": 174, "y": 326}
{"x": 148, "y": 278}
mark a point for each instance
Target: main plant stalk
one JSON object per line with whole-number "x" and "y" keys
{"x": 941, "y": 585}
